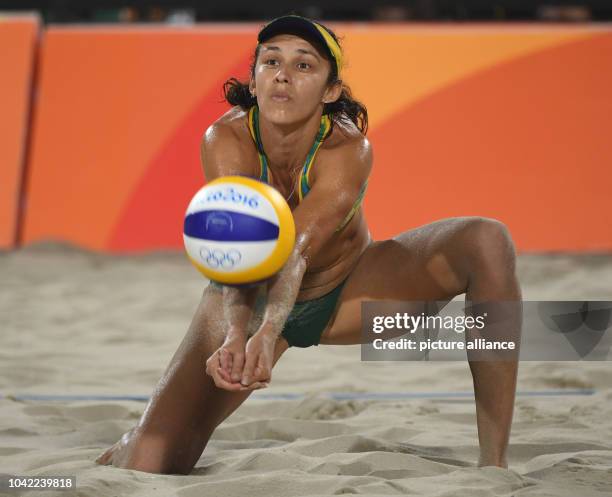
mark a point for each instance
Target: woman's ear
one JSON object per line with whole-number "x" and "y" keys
{"x": 333, "y": 92}
{"x": 252, "y": 87}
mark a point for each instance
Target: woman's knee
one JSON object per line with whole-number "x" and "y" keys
{"x": 490, "y": 244}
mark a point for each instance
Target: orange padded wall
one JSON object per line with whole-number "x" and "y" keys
{"x": 18, "y": 39}
{"x": 501, "y": 121}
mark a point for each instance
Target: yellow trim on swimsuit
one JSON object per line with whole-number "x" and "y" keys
{"x": 304, "y": 180}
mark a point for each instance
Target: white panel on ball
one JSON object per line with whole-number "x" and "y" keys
{"x": 228, "y": 257}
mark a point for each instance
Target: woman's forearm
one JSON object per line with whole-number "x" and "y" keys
{"x": 283, "y": 289}
{"x": 238, "y": 308}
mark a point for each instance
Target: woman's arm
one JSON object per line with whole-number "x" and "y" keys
{"x": 237, "y": 308}
{"x": 221, "y": 156}
{"x": 340, "y": 177}
{"x": 225, "y": 366}
{"x": 341, "y": 174}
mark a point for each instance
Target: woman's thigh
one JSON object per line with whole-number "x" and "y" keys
{"x": 422, "y": 264}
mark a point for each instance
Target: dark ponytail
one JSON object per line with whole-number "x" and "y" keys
{"x": 346, "y": 108}
{"x": 237, "y": 93}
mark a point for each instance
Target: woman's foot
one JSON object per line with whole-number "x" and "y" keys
{"x": 115, "y": 455}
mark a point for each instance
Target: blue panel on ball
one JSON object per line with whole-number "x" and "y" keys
{"x": 228, "y": 226}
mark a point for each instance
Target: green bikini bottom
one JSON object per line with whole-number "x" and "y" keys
{"x": 308, "y": 319}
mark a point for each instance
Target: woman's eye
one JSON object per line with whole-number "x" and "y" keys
{"x": 271, "y": 62}
{"x": 304, "y": 65}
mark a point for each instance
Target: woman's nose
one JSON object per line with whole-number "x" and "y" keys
{"x": 282, "y": 76}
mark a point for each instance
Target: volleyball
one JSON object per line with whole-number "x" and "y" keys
{"x": 238, "y": 230}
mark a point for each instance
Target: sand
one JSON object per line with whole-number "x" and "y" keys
{"x": 79, "y": 323}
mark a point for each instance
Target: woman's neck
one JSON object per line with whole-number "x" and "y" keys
{"x": 286, "y": 146}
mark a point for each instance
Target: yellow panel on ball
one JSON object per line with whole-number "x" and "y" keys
{"x": 238, "y": 230}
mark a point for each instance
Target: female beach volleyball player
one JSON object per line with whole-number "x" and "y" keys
{"x": 296, "y": 126}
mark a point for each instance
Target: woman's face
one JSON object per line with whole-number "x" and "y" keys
{"x": 291, "y": 80}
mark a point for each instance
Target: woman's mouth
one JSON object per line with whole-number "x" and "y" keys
{"x": 280, "y": 97}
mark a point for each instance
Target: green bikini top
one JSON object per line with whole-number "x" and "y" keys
{"x": 304, "y": 182}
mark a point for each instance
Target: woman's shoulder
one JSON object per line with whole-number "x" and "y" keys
{"x": 230, "y": 133}
{"x": 347, "y": 144}
{"x": 345, "y": 135}
{"x": 347, "y": 151}
{"x": 231, "y": 126}
{"x": 227, "y": 146}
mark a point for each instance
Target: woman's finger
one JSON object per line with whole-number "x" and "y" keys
{"x": 264, "y": 368}
{"x": 221, "y": 383}
{"x": 249, "y": 367}
{"x": 224, "y": 358}
{"x": 226, "y": 377}
{"x": 237, "y": 365}
{"x": 255, "y": 386}
{"x": 212, "y": 363}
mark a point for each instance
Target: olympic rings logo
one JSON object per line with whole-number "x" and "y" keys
{"x": 217, "y": 258}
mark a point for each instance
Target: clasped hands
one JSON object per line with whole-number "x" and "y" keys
{"x": 241, "y": 364}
